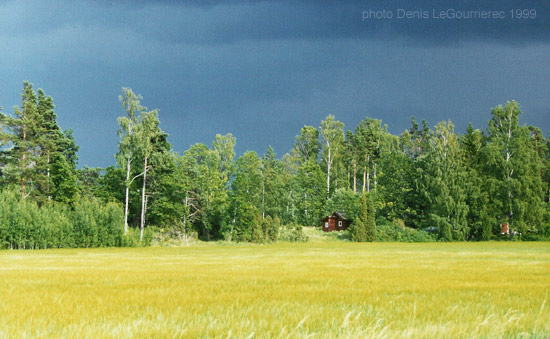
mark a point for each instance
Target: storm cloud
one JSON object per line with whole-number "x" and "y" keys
{"x": 263, "y": 69}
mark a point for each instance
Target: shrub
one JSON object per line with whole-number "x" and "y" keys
{"x": 292, "y": 233}
{"x": 364, "y": 226}
{"x": 25, "y": 225}
{"x": 270, "y": 228}
{"x": 387, "y": 231}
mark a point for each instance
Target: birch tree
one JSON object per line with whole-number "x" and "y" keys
{"x": 306, "y": 145}
{"x": 224, "y": 146}
{"x": 513, "y": 171}
{"x": 146, "y": 132}
{"x": 127, "y": 146}
{"x": 206, "y": 192}
{"x": 367, "y": 140}
{"x": 332, "y": 132}
{"x": 444, "y": 183}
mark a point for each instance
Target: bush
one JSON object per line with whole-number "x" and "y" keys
{"x": 25, "y": 225}
{"x": 531, "y": 235}
{"x": 270, "y": 227}
{"x": 390, "y": 232}
{"x": 96, "y": 224}
{"x": 292, "y": 233}
{"x": 173, "y": 236}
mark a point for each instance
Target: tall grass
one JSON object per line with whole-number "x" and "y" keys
{"x": 330, "y": 289}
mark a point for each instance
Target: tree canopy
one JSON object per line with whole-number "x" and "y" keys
{"x": 460, "y": 186}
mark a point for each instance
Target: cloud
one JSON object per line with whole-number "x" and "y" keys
{"x": 263, "y": 69}
{"x": 227, "y": 22}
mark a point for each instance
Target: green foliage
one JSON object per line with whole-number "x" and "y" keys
{"x": 274, "y": 186}
{"x": 364, "y": 227}
{"x": 63, "y": 179}
{"x": 34, "y": 147}
{"x": 332, "y": 132}
{"x": 367, "y": 141}
{"x": 397, "y": 188}
{"x": 96, "y": 224}
{"x": 513, "y": 171}
{"x": 308, "y": 194}
{"x": 443, "y": 184}
{"x": 464, "y": 186}
{"x": 270, "y": 227}
{"x": 390, "y": 232}
{"x": 109, "y": 186}
{"x": 25, "y": 225}
{"x": 248, "y": 223}
{"x": 292, "y": 233}
{"x": 306, "y": 145}
{"x": 343, "y": 200}
{"x": 205, "y": 194}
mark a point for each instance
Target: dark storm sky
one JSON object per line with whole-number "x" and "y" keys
{"x": 263, "y": 69}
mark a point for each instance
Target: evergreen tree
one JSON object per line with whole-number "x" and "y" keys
{"x": 364, "y": 227}
{"x": 274, "y": 185}
{"x": 396, "y": 188}
{"x": 477, "y": 198}
{"x": 63, "y": 180}
{"x": 33, "y": 138}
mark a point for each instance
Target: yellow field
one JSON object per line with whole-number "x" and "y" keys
{"x": 324, "y": 289}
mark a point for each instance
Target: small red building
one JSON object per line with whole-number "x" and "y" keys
{"x": 504, "y": 229}
{"x": 337, "y": 221}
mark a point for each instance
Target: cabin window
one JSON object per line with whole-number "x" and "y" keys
{"x": 340, "y": 223}
{"x": 326, "y": 224}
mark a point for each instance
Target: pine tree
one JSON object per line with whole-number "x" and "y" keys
{"x": 477, "y": 198}
{"x": 63, "y": 180}
{"x": 33, "y": 138}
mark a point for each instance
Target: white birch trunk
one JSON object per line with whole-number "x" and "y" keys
{"x": 127, "y": 197}
{"x": 329, "y": 163}
{"x": 142, "y": 222}
{"x": 354, "y": 176}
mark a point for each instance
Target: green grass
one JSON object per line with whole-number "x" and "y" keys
{"x": 315, "y": 289}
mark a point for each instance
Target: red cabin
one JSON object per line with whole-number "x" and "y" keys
{"x": 504, "y": 229}
{"x": 337, "y": 221}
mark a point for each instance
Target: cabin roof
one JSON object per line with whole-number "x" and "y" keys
{"x": 340, "y": 215}
{"x": 337, "y": 214}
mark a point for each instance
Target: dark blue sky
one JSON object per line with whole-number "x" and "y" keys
{"x": 263, "y": 69}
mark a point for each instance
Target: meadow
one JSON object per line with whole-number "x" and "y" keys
{"x": 308, "y": 290}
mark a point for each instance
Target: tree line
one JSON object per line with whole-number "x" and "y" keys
{"x": 459, "y": 186}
